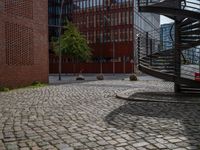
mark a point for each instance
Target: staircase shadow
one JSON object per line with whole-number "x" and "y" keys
{"x": 156, "y": 119}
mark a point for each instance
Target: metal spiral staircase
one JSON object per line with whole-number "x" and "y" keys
{"x": 181, "y": 62}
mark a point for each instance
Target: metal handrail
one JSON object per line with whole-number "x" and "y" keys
{"x": 162, "y": 58}
{"x": 187, "y": 69}
{"x": 192, "y": 8}
{"x": 185, "y": 4}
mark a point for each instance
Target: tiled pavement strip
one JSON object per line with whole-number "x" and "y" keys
{"x": 87, "y": 116}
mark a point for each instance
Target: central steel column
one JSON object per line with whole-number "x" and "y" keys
{"x": 177, "y": 59}
{"x": 177, "y": 54}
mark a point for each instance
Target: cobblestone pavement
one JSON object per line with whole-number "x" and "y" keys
{"x": 87, "y": 116}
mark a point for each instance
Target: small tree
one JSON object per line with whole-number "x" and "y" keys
{"x": 73, "y": 44}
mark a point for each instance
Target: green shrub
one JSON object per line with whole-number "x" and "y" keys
{"x": 80, "y": 77}
{"x": 37, "y": 84}
{"x": 100, "y": 77}
{"x": 4, "y": 89}
{"x": 133, "y": 77}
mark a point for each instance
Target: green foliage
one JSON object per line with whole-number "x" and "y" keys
{"x": 37, "y": 84}
{"x": 4, "y": 89}
{"x": 133, "y": 77}
{"x": 73, "y": 44}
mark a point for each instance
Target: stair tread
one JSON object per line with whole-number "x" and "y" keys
{"x": 187, "y": 22}
{"x": 193, "y": 26}
{"x": 194, "y": 32}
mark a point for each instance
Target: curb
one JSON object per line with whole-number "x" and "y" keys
{"x": 127, "y": 97}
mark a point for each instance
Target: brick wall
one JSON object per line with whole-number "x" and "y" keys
{"x": 121, "y": 49}
{"x": 107, "y": 67}
{"x": 88, "y": 67}
{"x": 23, "y": 42}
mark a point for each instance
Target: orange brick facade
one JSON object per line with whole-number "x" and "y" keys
{"x": 23, "y": 42}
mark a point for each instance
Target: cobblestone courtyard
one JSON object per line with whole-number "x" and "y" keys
{"x": 87, "y": 116}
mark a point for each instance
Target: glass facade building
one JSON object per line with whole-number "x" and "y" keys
{"x": 110, "y": 26}
{"x": 106, "y": 23}
{"x": 167, "y": 36}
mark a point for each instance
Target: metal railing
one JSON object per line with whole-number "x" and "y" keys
{"x": 148, "y": 50}
{"x": 191, "y": 5}
{"x": 153, "y": 55}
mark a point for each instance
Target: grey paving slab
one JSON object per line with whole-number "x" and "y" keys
{"x": 88, "y": 116}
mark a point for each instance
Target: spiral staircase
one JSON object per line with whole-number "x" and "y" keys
{"x": 181, "y": 62}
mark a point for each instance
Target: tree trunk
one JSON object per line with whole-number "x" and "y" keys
{"x": 74, "y": 67}
{"x": 78, "y": 71}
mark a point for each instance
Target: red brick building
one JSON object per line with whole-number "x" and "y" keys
{"x": 109, "y": 23}
{"x": 108, "y": 27}
{"x": 23, "y": 42}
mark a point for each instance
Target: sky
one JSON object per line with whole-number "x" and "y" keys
{"x": 190, "y": 3}
{"x": 164, "y": 20}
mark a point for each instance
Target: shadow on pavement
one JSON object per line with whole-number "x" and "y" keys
{"x": 178, "y": 121}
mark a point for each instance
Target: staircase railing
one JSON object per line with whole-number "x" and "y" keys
{"x": 152, "y": 54}
{"x": 192, "y": 5}
{"x": 148, "y": 2}
{"x": 181, "y": 62}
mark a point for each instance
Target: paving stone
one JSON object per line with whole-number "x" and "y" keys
{"x": 22, "y": 144}
{"x": 120, "y": 148}
{"x": 182, "y": 144}
{"x": 112, "y": 142}
{"x": 2, "y": 145}
{"x": 160, "y": 140}
{"x": 1, "y": 135}
{"x": 25, "y": 148}
{"x": 174, "y": 140}
{"x": 180, "y": 149}
{"x": 91, "y": 139}
{"x": 130, "y": 148}
{"x": 171, "y": 146}
{"x": 11, "y": 146}
{"x": 36, "y": 148}
{"x": 107, "y": 138}
{"x": 87, "y": 116}
{"x": 63, "y": 146}
{"x": 160, "y": 146}
{"x": 102, "y": 142}
{"x": 149, "y": 147}
{"x": 122, "y": 144}
{"x": 121, "y": 140}
{"x": 92, "y": 144}
{"x": 140, "y": 144}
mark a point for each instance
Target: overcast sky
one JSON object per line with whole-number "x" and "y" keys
{"x": 190, "y": 3}
{"x": 164, "y": 20}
